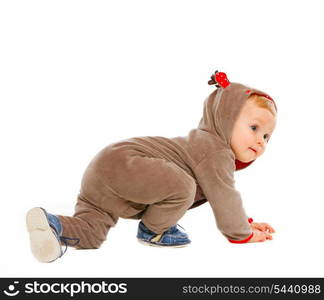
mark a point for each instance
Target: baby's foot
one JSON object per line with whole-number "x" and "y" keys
{"x": 45, "y": 232}
{"x": 173, "y": 237}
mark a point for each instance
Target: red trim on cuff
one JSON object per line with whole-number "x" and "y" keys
{"x": 250, "y": 220}
{"x": 242, "y": 241}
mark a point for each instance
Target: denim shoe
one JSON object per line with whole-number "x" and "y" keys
{"x": 173, "y": 237}
{"x": 45, "y": 233}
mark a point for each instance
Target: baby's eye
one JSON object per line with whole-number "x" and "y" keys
{"x": 254, "y": 127}
{"x": 266, "y": 137}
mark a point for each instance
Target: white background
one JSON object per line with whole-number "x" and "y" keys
{"x": 76, "y": 76}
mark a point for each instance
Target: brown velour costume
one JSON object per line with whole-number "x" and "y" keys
{"x": 158, "y": 179}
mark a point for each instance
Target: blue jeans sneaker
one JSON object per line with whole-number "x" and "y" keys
{"x": 45, "y": 233}
{"x": 173, "y": 237}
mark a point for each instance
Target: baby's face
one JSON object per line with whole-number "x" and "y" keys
{"x": 251, "y": 132}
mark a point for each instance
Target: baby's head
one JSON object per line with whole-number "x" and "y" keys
{"x": 253, "y": 128}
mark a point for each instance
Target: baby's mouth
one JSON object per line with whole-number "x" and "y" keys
{"x": 253, "y": 150}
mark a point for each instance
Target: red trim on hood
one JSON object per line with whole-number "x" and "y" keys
{"x": 243, "y": 241}
{"x": 266, "y": 96}
{"x": 263, "y": 95}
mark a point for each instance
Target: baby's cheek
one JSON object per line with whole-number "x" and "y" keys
{"x": 261, "y": 152}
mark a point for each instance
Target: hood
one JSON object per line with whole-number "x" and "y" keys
{"x": 221, "y": 110}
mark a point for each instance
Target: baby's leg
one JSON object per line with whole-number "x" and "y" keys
{"x": 162, "y": 185}
{"x": 89, "y": 223}
{"x": 175, "y": 199}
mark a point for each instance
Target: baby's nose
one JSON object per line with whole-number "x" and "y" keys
{"x": 261, "y": 143}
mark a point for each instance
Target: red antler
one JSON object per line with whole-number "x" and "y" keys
{"x": 221, "y": 79}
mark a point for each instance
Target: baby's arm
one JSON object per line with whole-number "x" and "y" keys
{"x": 215, "y": 176}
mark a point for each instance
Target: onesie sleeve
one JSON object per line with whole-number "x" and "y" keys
{"x": 215, "y": 175}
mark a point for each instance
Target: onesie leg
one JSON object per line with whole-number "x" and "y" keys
{"x": 162, "y": 215}
{"x": 167, "y": 190}
{"x": 89, "y": 223}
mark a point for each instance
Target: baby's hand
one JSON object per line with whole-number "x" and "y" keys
{"x": 260, "y": 236}
{"x": 264, "y": 227}
{"x": 261, "y": 232}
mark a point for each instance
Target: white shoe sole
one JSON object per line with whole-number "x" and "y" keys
{"x": 43, "y": 242}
